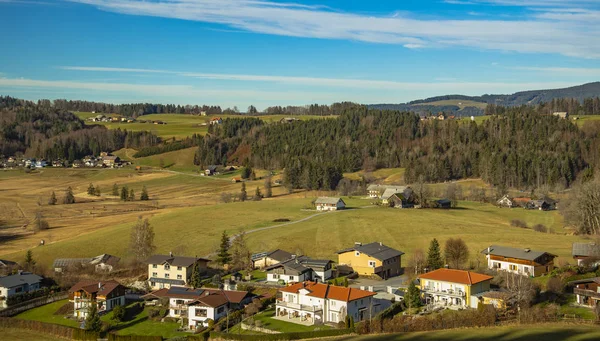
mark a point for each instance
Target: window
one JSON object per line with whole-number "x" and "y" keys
{"x": 175, "y": 312}
{"x": 201, "y": 313}
{"x": 179, "y": 277}
{"x": 291, "y": 278}
{"x": 167, "y": 267}
{"x": 154, "y": 274}
{"x": 154, "y": 266}
{"x": 372, "y": 263}
{"x": 512, "y": 267}
{"x": 152, "y": 284}
{"x": 179, "y": 302}
{"x": 333, "y": 303}
{"x": 166, "y": 275}
{"x": 179, "y": 268}
{"x": 220, "y": 310}
{"x": 357, "y": 253}
{"x": 275, "y": 276}
{"x": 19, "y": 289}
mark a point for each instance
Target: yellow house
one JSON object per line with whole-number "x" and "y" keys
{"x": 372, "y": 259}
{"x": 496, "y": 298}
{"x": 453, "y": 288}
{"x": 165, "y": 271}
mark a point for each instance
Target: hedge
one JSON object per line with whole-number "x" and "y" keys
{"x": 115, "y": 337}
{"x": 282, "y": 336}
{"x": 49, "y": 328}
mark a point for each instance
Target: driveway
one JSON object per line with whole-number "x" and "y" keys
{"x": 380, "y": 286}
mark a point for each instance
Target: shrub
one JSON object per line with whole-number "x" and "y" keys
{"x": 153, "y": 313}
{"x": 540, "y": 228}
{"x": 118, "y": 313}
{"x": 518, "y": 223}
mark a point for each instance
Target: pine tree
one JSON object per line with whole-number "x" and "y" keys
{"x": 115, "y": 190}
{"x": 92, "y": 321}
{"x": 52, "y": 200}
{"x": 144, "y": 195}
{"x": 413, "y": 296}
{"x": 69, "y": 197}
{"x": 196, "y": 278}
{"x": 97, "y": 191}
{"x": 223, "y": 255}
{"x": 91, "y": 190}
{"x": 268, "y": 190}
{"x": 257, "y": 195}
{"x": 124, "y": 193}
{"x": 434, "y": 256}
{"x": 243, "y": 194}
{"x": 29, "y": 261}
{"x": 131, "y": 195}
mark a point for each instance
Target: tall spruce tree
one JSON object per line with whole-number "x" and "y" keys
{"x": 196, "y": 278}
{"x": 257, "y": 195}
{"x": 268, "y": 185}
{"x": 92, "y": 321}
{"x": 243, "y": 193}
{"x": 91, "y": 190}
{"x": 434, "y": 256}
{"x": 52, "y": 200}
{"x": 115, "y": 190}
{"x": 29, "y": 261}
{"x": 413, "y": 296}
{"x": 223, "y": 255}
{"x": 69, "y": 197}
{"x": 144, "y": 195}
{"x": 124, "y": 193}
{"x": 131, "y": 196}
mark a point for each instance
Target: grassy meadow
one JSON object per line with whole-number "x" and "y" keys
{"x": 458, "y": 102}
{"x": 14, "y": 334}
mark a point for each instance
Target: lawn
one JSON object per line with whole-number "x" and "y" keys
{"x": 14, "y": 334}
{"x": 46, "y": 312}
{"x": 548, "y": 332}
{"x": 285, "y": 327}
{"x": 142, "y": 325}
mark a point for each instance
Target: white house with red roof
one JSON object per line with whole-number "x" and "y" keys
{"x": 453, "y": 288}
{"x": 104, "y": 294}
{"x": 317, "y": 303}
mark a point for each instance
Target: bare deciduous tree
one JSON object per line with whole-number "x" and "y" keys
{"x": 422, "y": 191}
{"x": 521, "y": 289}
{"x": 417, "y": 261}
{"x": 456, "y": 252}
{"x": 583, "y": 208}
{"x": 141, "y": 241}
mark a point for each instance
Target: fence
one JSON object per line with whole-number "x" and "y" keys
{"x": 258, "y": 329}
{"x": 34, "y": 303}
{"x": 48, "y": 328}
{"x": 281, "y": 336}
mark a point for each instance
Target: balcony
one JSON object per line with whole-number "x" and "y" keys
{"x": 178, "y": 306}
{"x": 446, "y": 292}
{"x": 302, "y": 307}
{"x": 586, "y": 292}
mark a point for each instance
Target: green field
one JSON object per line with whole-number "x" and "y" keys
{"x": 582, "y": 119}
{"x": 268, "y": 322}
{"x": 548, "y": 332}
{"x": 13, "y": 334}
{"x": 180, "y": 125}
{"x": 459, "y": 103}
{"x": 46, "y": 312}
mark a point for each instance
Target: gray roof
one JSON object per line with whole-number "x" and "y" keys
{"x": 4, "y": 263}
{"x": 291, "y": 266}
{"x": 375, "y": 250}
{"x": 301, "y": 264}
{"x": 512, "y": 252}
{"x": 280, "y": 255}
{"x": 66, "y": 262}
{"x": 327, "y": 200}
{"x": 586, "y": 249}
{"x": 19, "y": 279}
{"x": 391, "y": 190}
{"x": 174, "y": 260}
{"x": 167, "y": 280}
{"x": 256, "y": 256}
{"x": 586, "y": 280}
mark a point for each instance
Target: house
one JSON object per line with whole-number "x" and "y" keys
{"x": 443, "y": 203}
{"x": 203, "y": 113}
{"x": 561, "y": 114}
{"x": 101, "y": 263}
{"x": 319, "y": 303}
{"x": 111, "y": 161}
{"x": 216, "y": 120}
{"x": 372, "y": 259}
{"x": 104, "y": 294}
{"x": 78, "y": 164}
{"x": 377, "y": 191}
{"x": 402, "y": 192}
{"x": 453, "y": 288}
{"x": 41, "y": 163}
{"x": 299, "y": 269}
{"x": 498, "y": 299}
{"x": 57, "y": 163}
{"x": 19, "y": 283}
{"x": 545, "y": 204}
{"x": 505, "y": 201}
{"x": 587, "y": 291}
{"x": 520, "y": 261}
{"x": 264, "y": 259}
{"x": 329, "y": 204}
{"x": 211, "y": 170}
{"x": 236, "y": 180}
{"x": 165, "y": 271}
{"x": 441, "y": 117}
{"x": 288, "y": 120}
{"x": 199, "y": 305}
{"x": 584, "y": 252}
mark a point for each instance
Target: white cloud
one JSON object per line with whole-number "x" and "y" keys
{"x": 533, "y": 34}
{"x": 589, "y": 72}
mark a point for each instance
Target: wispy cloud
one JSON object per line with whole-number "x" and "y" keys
{"x": 533, "y": 34}
{"x": 564, "y": 71}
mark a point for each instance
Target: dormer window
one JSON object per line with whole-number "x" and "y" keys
{"x": 154, "y": 266}
{"x": 167, "y": 267}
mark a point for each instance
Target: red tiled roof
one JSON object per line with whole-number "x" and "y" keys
{"x": 456, "y": 276}
{"x": 321, "y": 290}
{"x": 526, "y": 200}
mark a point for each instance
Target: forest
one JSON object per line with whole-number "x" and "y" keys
{"x": 43, "y": 131}
{"x": 521, "y": 148}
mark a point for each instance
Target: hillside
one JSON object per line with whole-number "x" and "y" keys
{"x": 471, "y": 104}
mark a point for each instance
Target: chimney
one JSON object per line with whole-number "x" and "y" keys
{"x": 357, "y": 244}
{"x": 380, "y": 244}
{"x": 489, "y": 250}
{"x": 99, "y": 285}
{"x": 170, "y": 254}
{"x": 527, "y": 250}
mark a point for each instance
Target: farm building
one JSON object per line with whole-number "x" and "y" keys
{"x": 329, "y": 204}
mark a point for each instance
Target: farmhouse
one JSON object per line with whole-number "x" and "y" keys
{"x": 545, "y": 204}
{"x": 372, "y": 259}
{"x": 165, "y": 271}
{"x": 587, "y": 291}
{"x": 561, "y": 114}
{"x": 111, "y": 161}
{"x": 586, "y": 252}
{"x": 6, "y": 266}
{"x": 264, "y": 259}
{"x": 216, "y": 120}
{"x": 505, "y": 201}
{"x": 443, "y": 203}
{"x": 317, "y": 303}
{"x": 520, "y": 261}
{"x": 403, "y": 193}
{"x": 453, "y": 288}
{"x": 101, "y": 263}
{"x": 377, "y": 191}
{"x": 299, "y": 269}
{"x": 199, "y": 305}
{"x": 329, "y": 204}
{"x": 105, "y": 295}
{"x": 211, "y": 170}
{"x": 19, "y": 283}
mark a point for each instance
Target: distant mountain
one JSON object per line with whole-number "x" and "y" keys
{"x": 474, "y": 105}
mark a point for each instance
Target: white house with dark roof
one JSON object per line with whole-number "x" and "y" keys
{"x": 165, "y": 271}
{"x": 299, "y": 269}
{"x": 520, "y": 261}
{"x": 385, "y": 191}
{"x": 18, "y": 283}
{"x": 585, "y": 251}
{"x": 329, "y": 204}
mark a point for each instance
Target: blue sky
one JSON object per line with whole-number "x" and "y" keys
{"x": 242, "y": 52}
